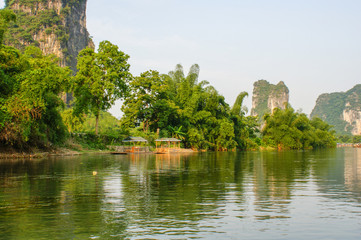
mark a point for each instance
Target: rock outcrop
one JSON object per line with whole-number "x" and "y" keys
{"x": 341, "y": 109}
{"x": 55, "y": 26}
{"x": 266, "y": 97}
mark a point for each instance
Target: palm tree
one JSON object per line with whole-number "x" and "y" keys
{"x": 176, "y": 132}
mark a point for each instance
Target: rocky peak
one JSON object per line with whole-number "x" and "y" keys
{"x": 341, "y": 109}
{"x": 34, "y": 8}
{"x": 55, "y": 26}
{"x": 266, "y": 97}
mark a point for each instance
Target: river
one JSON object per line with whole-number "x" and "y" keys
{"x": 236, "y": 195}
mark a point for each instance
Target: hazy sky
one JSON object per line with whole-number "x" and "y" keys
{"x": 314, "y": 46}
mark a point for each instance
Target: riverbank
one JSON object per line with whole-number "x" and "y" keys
{"x": 9, "y": 152}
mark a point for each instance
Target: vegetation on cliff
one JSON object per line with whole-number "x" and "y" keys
{"x": 6, "y": 18}
{"x": 265, "y": 95}
{"x": 21, "y": 33}
{"x": 49, "y": 24}
{"x": 331, "y": 106}
{"x": 29, "y": 96}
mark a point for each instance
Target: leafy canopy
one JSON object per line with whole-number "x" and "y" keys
{"x": 179, "y": 105}
{"x": 30, "y": 97}
{"x": 287, "y": 129}
{"x": 101, "y": 79}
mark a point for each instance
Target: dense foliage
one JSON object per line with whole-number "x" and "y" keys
{"x": 39, "y": 23}
{"x": 6, "y": 17}
{"x": 101, "y": 79}
{"x": 331, "y": 107}
{"x": 287, "y": 129}
{"x": 29, "y": 23}
{"x": 29, "y": 96}
{"x": 349, "y": 138}
{"x": 178, "y": 105}
{"x": 108, "y": 124}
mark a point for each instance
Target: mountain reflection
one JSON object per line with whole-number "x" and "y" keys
{"x": 188, "y": 195}
{"x": 353, "y": 171}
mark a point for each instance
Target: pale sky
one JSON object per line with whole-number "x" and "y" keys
{"x": 314, "y": 46}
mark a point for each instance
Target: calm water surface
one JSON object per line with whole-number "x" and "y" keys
{"x": 248, "y": 195}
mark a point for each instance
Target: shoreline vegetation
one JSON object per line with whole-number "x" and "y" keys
{"x": 33, "y": 116}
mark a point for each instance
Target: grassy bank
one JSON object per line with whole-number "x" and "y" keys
{"x": 76, "y": 144}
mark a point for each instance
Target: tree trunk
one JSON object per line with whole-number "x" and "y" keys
{"x": 96, "y": 124}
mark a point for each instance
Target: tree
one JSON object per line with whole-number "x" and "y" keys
{"x": 6, "y": 16}
{"x": 280, "y": 130}
{"x": 245, "y": 128}
{"x": 176, "y": 132}
{"x": 356, "y": 139}
{"x": 323, "y": 134}
{"x": 182, "y": 106}
{"x": 287, "y": 129}
{"x": 148, "y": 102}
{"x": 73, "y": 122}
{"x": 237, "y": 106}
{"x": 41, "y": 85}
{"x": 30, "y": 97}
{"x": 102, "y": 78}
{"x": 225, "y": 139}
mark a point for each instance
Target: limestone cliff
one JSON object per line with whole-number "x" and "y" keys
{"x": 341, "y": 109}
{"x": 55, "y": 26}
{"x": 266, "y": 97}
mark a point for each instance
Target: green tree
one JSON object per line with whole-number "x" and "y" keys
{"x": 40, "y": 88}
{"x": 287, "y": 129}
{"x": 344, "y": 138}
{"x": 225, "y": 139}
{"x": 182, "y": 106}
{"x": 176, "y": 132}
{"x": 323, "y": 134}
{"x": 245, "y": 127}
{"x": 11, "y": 64}
{"x": 31, "y": 105}
{"x": 108, "y": 124}
{"x": 356, "y": 139}
{"x": 102, "y": 78}
{"x": 74, "y": 123}
{"x": 280, "y": 130}
{"x": 237, "y": 106}
{"x": 203, "y": 112}
{"x": 6, "y": 16}
{"x": 148, "y": 102}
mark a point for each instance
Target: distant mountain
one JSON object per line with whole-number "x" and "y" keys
{"x": 267, "y": 97}
{"x": 341, "y": 109}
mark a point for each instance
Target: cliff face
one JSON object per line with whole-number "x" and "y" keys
{"x": 342, "y": 110}
{"x": 55, "y": 26}
{"x": 266, "y": 97}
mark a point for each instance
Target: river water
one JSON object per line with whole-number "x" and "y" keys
{"x": 244, "y": 195}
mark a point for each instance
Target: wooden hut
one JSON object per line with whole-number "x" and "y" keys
{"x": 133, "y": 145}
{"x": 166, "y": 145}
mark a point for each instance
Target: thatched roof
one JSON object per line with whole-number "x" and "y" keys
{"x": 134, "y": 139}
{"x": 168, "y": 140}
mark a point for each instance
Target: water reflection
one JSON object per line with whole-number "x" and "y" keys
{"x": 208, "y": 195}
{"x": 353, "y": 170}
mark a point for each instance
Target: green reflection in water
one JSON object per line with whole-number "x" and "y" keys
{"x": 205, "y": 195}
